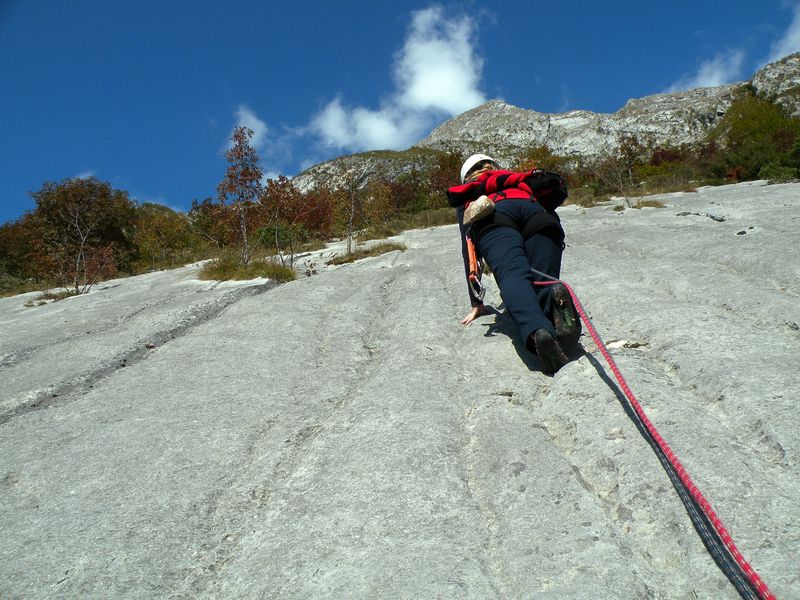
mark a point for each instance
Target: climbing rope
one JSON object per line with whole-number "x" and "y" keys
{"x": 708, "y": 525}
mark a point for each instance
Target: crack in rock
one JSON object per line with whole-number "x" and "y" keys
{"x": 80, "y": 384}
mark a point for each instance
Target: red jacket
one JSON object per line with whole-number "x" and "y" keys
{"x": 548, "y": 189}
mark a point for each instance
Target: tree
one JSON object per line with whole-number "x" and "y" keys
{"x": 294, "y": 216}
{"x": 18, "y": 245}
{"x": 241, "y": 190}
{"x": 616, "y": 167}
{"x": 754, "y": 133}
{"x": 161, "y": 235}
{"x": 351, "y": 199}
{"x": 541, "y": 157}
{"x": 445, "y": 172}
{"x": 208, "y": 221}
{"x": 86, "y": 231}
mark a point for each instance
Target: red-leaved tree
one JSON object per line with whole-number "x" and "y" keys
{"x": 240, "y": 191}
{"x": 85, "y": 229}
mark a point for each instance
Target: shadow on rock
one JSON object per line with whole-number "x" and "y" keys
{"x": 505, "y": 325}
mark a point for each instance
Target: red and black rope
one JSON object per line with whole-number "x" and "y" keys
{"x": 709, "y": 526}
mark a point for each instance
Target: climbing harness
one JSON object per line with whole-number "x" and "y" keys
{"x": 715, "y": 536}
{"x": 475, "y": 272}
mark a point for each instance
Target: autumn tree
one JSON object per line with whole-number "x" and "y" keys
{"x": 615, "y": 168}
{"x": 294, "y": 216}
{"x": 351, "y": 199}
{"x": 18, "y": 240}
{"x": 85, "y": 226}
{"x": 445, "y": 172}
{"x": 541, "y": 157}
{"x": 241, "y": 190}
{"x": 207, "y": 220}
{"x": 161, "y": 235}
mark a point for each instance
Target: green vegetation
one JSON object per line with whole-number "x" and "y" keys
{"x": 403, "y": 156}
{"x": 775, "y": 172}
{"x": 648, "y": 203}
{"x": 47, "y": 297}
{"x": 375, "y": 250}
{"x": 83, "y": 230}
{"x": 229, "y": 267}
{"x": 754, "y": 139}
{"x": 755, "y": 133}
{"x": 11, "y": 285}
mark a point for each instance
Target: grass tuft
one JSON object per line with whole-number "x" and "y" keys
{"x": 47, "y": 297}
{"x": 649, "y": 204}
{"x": 376, "y": 250}
{"x": 586, "y": 197}
{"x": 56, "y": 296}
{"x": 228, "y": 267}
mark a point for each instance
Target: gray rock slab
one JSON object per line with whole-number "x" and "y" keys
{"x": 343, "y": 436}
{"x": 49, "y": 350}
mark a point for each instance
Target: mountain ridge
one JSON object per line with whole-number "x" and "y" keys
{"x": 506, "y": 131}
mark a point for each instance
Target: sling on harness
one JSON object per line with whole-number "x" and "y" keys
{"x": 475, "y": 272}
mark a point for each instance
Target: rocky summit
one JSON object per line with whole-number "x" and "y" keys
{"x": 506, "y": 131}
{"x": 780, "y": 82}
{"x": 662, "y": 119}
{"x": 343, "y": 436}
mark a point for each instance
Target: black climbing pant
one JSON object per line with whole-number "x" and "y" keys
{"x": 511, "y": 255}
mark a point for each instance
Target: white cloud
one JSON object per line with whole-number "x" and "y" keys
{"x": 790, "y": 42}
{"x": 361, "y": 128}
{"x": 723, "y": 68}
{"x": 436, "y": 73}
{"x": 333, "y": 124}
{"x": 566, "y": 99}
{"x": 437, "y": 68}
{"x": 247, "y": 118}
{"x": 85, "y": 174}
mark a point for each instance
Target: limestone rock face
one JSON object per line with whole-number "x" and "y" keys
{"x": 780, "y": 83}
{"x": 337, "y": 173}
{"x": 676, "y": 118}
{"x": 344, "y": 436}
{"x": 504, "y": 130}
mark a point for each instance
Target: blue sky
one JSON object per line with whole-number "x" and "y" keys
{"x": 144, "y": 94}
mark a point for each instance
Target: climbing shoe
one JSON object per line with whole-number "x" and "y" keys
{"x": 565, "y": 318}
{"x": 550, "y": 353}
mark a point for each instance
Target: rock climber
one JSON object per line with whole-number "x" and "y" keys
{"x": 510, "y": 218}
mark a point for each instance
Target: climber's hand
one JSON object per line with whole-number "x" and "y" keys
{"x": 476, "y": 312}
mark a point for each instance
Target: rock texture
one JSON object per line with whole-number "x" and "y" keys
{"x": 342, "y": 436}
{"x": 780, "y": 83}
{"x": 335, "y": 173}
{"x": 664, "y": 119}
{"x": 504, "y": 131}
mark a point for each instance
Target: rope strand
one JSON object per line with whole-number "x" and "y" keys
{"x": 753, "y": 578}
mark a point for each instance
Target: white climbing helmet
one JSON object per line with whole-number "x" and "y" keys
{"x": 472, "y": 161}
